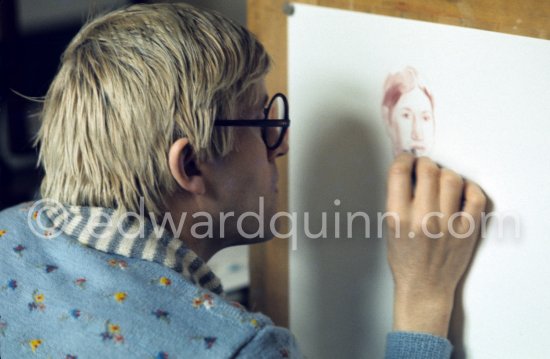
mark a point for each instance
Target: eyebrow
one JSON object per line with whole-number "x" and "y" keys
{"x": 410, "y": 109}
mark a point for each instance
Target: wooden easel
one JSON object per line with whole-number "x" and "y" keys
{"x": 267, "y": 19}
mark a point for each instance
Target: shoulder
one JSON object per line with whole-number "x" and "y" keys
{"x": 60, "y": 298}
{"x": 16, "y": 213}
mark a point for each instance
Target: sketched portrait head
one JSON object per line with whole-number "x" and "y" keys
{"x": 408, "y": 112}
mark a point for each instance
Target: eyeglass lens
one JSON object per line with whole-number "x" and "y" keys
{"x": 275, "y": 112}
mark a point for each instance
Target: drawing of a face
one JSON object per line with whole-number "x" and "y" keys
{"x": 412, "y": 123}
{"x": 408, "y": 112}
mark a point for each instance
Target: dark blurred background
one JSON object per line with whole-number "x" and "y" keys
{"x": 33, "y": 35}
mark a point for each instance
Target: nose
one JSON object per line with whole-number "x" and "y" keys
{"x": 281, "y": 150}
{"x": 416, "y": 134}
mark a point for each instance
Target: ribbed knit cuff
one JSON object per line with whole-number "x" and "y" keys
{"x": 412, "y": 345}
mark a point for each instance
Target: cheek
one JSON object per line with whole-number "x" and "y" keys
{"x": 395, "y": 125}
{"x": 404, "y": 129}
{"x": 254, "y": 170}
{"x": 429, "y": 129}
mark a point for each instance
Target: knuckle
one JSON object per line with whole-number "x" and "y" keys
{"x": 476, "y": 196}
{"x": 393, "y": 205}
{"x": 405, "y": 156}
{"x": 465, "y": 229}
{"x": 428, "y": 168}
{"x": 478, "y": 200}
{"x": 431, "y": 219}
{"x": 451, "y": 178}
{"x": 392, "y": 224}
{"x": 395, "y": 223}
{"x": 432, "y": 228}
{"x": 399, "y": 169}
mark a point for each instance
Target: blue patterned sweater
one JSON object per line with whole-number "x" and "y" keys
{"x": 73, "y": 287}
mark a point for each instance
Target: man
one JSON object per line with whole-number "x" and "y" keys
{"x": 136, "y": 133}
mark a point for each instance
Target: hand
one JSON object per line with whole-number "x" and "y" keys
{"x": 430, "y": 242}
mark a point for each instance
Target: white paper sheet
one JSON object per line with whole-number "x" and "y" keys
{"x": 491, "y": 99}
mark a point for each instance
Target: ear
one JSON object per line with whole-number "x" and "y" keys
{"x": 184, "y": 168}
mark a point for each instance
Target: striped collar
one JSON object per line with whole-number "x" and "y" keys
{"x": 109, "y": 231}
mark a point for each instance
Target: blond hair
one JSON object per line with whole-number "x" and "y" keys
{"x": 130, "y": 83}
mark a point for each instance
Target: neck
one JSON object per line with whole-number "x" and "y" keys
{"x": 197, "y": 232}
{"x": 205, "y": 248}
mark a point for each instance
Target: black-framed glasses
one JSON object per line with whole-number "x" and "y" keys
{"x": 274, "y": 125}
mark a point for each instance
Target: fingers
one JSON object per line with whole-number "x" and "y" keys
{"x": 475, "y": 200}
{"x": 452, "y": 190}
{"x": 427, "y": 187}
{"x": 437, "y": 190}
{"x": 460, "y": 199}
{"x": 400, "y": 185}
